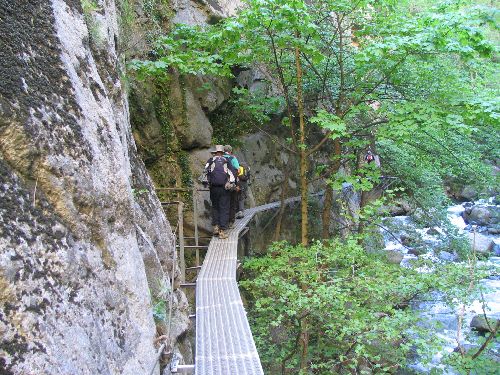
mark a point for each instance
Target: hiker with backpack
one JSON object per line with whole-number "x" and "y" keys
{"x": 233, "y": 165}
{"x": 369, "y": 157}
{"x": 243, "y": 181}
{"x": 221, "y": 181}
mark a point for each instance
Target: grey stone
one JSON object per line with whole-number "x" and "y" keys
{"x": 468, "y": 193}
{"x": 481, "y": 243}
{"x": 400, "y": 208}
{"x": 209, "y": 91}
{"x": 480, "y": 324}
{"x": 494, "y": 229}
{"x": 418, "y": 250}
{"x": 204, "y": 11}
{"x": 78, "y": 258}
{"x": 446, "y": 256}
{"x": 478, "y": 215}
{"x": 187, "y": 116}
{"x": 394, "y": 257}
{"x": 432, "y": 232}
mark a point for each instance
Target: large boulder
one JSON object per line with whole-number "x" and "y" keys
{"x": 478, "y": 215}
{"x": 201, "y": 12}
{"x": 394, "y": 256}
{"x": 481, "y": 243}
{"x": 187, "y": 116}
{"x": 482, "y": 324}
{"x": 399, "y": 208}
{"x": 468, "y": 193}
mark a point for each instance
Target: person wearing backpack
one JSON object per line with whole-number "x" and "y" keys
{"x": 233, "y": 165}
{"x": 221, "y": 180}
{"x": 369, "y": 157}
{"x": 243, "y": 181}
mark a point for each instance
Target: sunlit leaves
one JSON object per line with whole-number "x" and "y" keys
{"x": 348, "y": 297}
{"x": 330, "y": 122}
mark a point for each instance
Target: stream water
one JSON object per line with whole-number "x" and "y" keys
{"x": 401, "y": 238}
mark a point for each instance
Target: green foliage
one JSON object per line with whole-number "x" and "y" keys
{"x": 424, "y": 64}
{"x": 138, "y": 192}
{"x": 89, "y": 7}
{"x": 159, "y": 301}
{"x": 330, "y": 122}
{"x": 353, "y": 303}
{"x": 159, "y": 313}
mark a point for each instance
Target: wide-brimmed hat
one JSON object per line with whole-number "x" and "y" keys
{"x": 218, "y": 148}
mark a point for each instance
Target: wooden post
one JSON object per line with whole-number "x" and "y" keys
{"x": 180, "y": 218}
{"x": 195, "y": 222}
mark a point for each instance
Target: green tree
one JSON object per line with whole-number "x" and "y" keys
{"x": 333, "y": 63}
{"x": 354, "y": 305}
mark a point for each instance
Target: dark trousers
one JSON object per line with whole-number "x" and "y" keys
{"x": 233, "y": 205}
{"x": 220, "y": 206}
{"x": 242, "y": 195}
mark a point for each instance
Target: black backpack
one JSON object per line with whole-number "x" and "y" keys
{"x": 217, "y": 171}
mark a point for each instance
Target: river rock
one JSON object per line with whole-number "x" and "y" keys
{"x": 417, "y": 250}
{"x": 480, "y": 324}
{"x": 494, "y": 229}
{"x": 446, "y": 256}
{"x": 410, "y": 239}
{"x": 468, "y": 193}
{"x": 496, "y": 249}
{"x": 394, "y": 256}
{"x": 433, "y": 231}
{"x": 399, "y": 208}
{"x": 478, "y": 215}
{"x": 481, "y": 243}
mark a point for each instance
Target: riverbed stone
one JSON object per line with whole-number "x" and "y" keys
{"x": 417, "y": 250}
{"x": 480, "y": 323}
{"x": 400, "y": 208}
{"x": 478, "y": 215}
{"x": 446, "y": 256}
{"x": 481, "y": 243}
{"x": 394, "y": 256}
{"x": 494, "y": 229}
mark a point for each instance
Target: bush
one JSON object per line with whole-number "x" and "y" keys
{"x": 343, "y": 307}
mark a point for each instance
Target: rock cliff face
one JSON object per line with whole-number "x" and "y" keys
{"x": 83, "y": 239}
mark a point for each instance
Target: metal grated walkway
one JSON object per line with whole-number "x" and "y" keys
{"x": 224, "y": 342}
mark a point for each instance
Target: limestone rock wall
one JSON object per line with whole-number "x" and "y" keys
{"x": 83, "y": 239}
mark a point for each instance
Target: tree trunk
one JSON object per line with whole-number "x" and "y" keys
{"x": 304, "y": 342}
{"x": 302, "y": 145}
{"x": 327, "y": 207}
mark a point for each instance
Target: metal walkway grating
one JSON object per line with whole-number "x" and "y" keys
{"x": 224, "y": 342}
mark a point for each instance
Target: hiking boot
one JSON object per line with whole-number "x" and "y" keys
{"x": 231, "y": 225}
{"x": 216, "y": 230}
{"x": 222, "y": 234}
{"x": 239, "y": 215}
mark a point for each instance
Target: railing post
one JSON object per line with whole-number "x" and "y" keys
{"x": 195, "y": 222}
{"x": 180, "y": 218}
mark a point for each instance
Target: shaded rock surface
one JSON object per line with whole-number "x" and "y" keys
{"x": 481, "y": 243}
{"x": 483, "y": 324}
{"x": 81, "y": 251}
{"x": 478, "y": 215}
